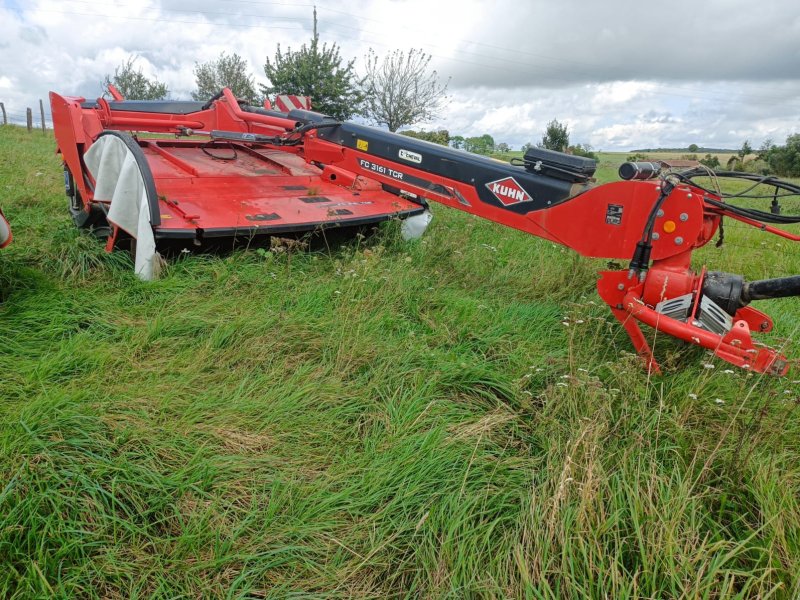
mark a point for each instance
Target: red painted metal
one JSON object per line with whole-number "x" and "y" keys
{"x": 204, "y": 197}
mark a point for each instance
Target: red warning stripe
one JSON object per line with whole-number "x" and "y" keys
{"x": 287, "y": 102}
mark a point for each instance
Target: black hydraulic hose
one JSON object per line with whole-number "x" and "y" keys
{"x": 640, "y": 261}
{"x": 755, "y": 214}
{"x": 211, "y": 100}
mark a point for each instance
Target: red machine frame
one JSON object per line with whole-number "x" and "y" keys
{"x": 594, "y": 220}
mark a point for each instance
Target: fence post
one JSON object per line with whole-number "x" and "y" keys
{"x": 41, "y": 111}
{"x": 29, "y": 115}
{"x": 3, "y": 109}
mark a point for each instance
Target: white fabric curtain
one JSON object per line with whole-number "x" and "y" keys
{"x": 118, "y": 178}
{"x": 5, "y": 231}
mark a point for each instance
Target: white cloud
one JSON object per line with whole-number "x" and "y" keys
{"x": 616, "y": 76}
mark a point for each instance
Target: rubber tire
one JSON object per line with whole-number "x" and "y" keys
{"x": 93, "y": 221}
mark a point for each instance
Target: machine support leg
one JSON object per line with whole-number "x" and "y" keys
{"x": 637, "y": 338}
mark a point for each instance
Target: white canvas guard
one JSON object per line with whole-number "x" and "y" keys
{"x": 118, "y": 178}
{"x": 412, "y": 228}
{"x": 5, "y": 231}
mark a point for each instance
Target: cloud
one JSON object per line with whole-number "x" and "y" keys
{"x": 620, "y": 75}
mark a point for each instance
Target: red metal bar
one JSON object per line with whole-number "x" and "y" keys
{"x": 247, "y": 117}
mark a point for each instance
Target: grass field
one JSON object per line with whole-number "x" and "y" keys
{"x": 453, "y": 418}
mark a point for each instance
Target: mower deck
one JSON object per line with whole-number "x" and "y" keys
{"x": 211, "y": 190}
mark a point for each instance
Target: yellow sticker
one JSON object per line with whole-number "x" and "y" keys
{"x": 362, "y": 145}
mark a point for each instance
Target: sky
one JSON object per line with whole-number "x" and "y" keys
{"x": 621, "y": 74}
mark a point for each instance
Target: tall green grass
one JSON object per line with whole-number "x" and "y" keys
{"x": 453, "y": 418}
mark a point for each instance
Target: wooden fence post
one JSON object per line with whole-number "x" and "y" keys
{"x": 3, "y": 108}
{"x": 29, "y": 115}
{"x": 41, "y": 111}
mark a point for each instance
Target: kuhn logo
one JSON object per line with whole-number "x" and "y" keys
{"x": 508, "y": 191}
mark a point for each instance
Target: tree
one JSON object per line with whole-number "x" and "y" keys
{"x": 226, "y": 71}
{"x": 503, "y": 147}
{"x": 317, "y": 72}
{"x": 133, "y": 84}
{"x": 399, "y": 90}
{"x": 745, "y": 150}
{"x": 765, "y": 149}
{"x": 441, "y": 137}
{"x": 734, "y": 164}
{"x": 526, "y": 146}
{"x": 556, "y": 137}
{"x": 584, "y": 150}
{"x": 483, "y": 144}
{"x": 785, "y": 160}
{"x": 457, "y": 142}
{"x": 693, "y": 148}
{"x": 711, "y": 161}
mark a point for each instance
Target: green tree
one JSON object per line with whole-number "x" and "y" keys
{"x": 133, "y": 84}
{"x": 441, "y": 137}
{"x": 226, "y": 71}
{"x": 483, "y": 144}
{"x": 315, "y": 71}
{"x": 711, "y": 161}
{"x": 556, "y": 137}
{"x": 457, "y": 142}
{"x": 400, "y": 90}
{"x": 584, "y": 150}
{"x": 745, "y": 150}
{"x": 765, "y": 149}
{"x": 693, "y": 148}
{"x": 734, "y": 164}
{"x": 785, "y": 160}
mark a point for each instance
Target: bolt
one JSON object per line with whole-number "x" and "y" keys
{"x": 764, "y": 325}
{"x": 684, "y": 217}
{"x": 678, "y": 241}
{"x": 660, "y": 213}
{"x": 688, "y": 195}
{"x": 655, "y": 235}
{"x": 620, "y": 286}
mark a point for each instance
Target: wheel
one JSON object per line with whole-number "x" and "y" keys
{"x": 94, "y": 220}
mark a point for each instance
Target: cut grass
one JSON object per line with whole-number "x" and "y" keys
{"x": 381, "y": 420}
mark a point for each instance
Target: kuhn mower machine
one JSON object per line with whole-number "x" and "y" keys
{"x": 244, "y": 172}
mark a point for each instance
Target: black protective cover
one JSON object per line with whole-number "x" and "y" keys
{"x": 555, "y": 163}
{"x": 170, "y": 107}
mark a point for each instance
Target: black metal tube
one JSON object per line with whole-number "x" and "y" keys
{"x": 771, "y": 288}
{"x": 639, "y": 170}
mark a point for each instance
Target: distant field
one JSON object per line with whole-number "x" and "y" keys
{"x": 453, "y": 418}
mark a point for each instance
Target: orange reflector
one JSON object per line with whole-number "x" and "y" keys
{"x": 669, "y": 226}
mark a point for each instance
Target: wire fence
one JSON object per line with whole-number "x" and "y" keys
{"x": 34, "y": 117}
